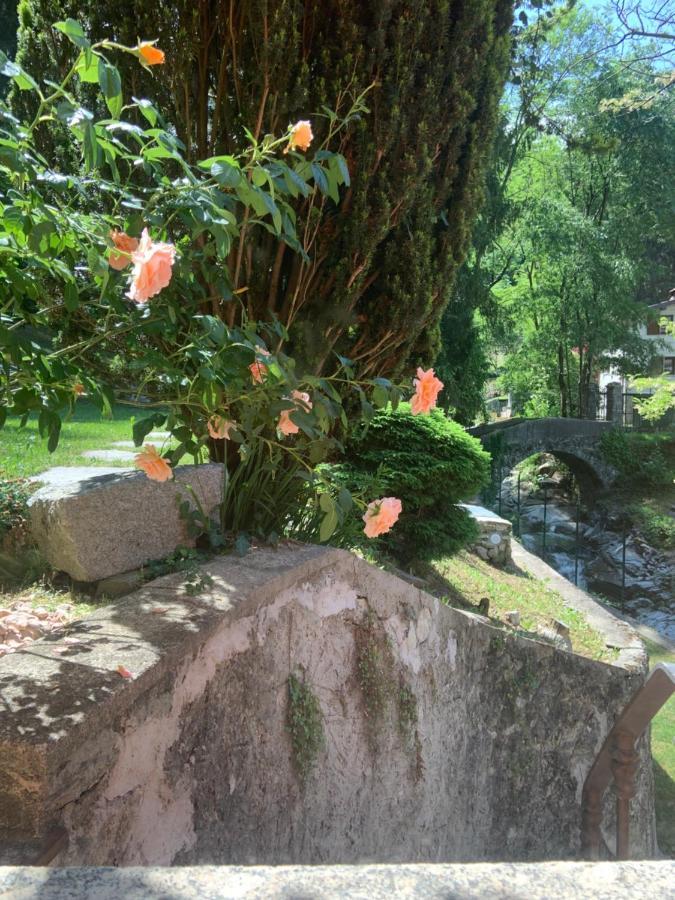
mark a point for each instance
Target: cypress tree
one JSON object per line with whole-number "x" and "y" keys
{"x": 382, "y": 260}
{"x": 8, "y": 26}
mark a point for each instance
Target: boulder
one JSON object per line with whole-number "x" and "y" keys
{"x": 94, "y": 526}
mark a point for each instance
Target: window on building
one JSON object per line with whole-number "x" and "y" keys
{"x": 663, "y": 329}
{"x": 669, "y": 365}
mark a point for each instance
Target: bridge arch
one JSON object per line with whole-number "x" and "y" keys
{"x": 575, "y": 442}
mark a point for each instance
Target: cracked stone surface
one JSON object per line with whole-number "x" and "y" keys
{"x": 536, "y": 881}
{"x": 95, "y": 523}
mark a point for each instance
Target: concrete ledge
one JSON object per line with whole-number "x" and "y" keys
{"x": 533, "y": 881}
{"x": 617, "y": 633}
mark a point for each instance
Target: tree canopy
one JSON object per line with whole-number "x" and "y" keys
{"x": 578, "y": 235}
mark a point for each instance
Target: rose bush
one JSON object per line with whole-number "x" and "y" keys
{"x": 115, "y": 282}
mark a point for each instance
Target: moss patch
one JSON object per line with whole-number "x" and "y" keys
{"x": 305, "y": 724}
{"x": 384, "y": 689}
{"x": 374, "y": 671}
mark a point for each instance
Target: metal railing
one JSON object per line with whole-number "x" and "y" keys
{"x": 618, "y": 760}
{"x": 492, "y": 497}
{"x": 608, "y": 406}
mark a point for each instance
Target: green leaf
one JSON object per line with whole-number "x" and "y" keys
{"x": 73, "y": 31}
{"x": 111, "y": 85}
{"x": 54, "y": 434}
{"x": 208, "y": 163}
{"x": 143, "y": 427}
{"x": 295, "y": 183}
{"x": 71, "y": 298}
{"x": 344, "y": 499}
{"x": 226, "y": 174}
{"x": 22, "y": 79}
{"x": 87, "y": 66}
{"x": 97, "y": 264}
{"x": 215, "y": 329}
{"x": 273, "y": 210}
{"x": 328, "y": 525}
{"x": 90, "y": 145}
{"x": 147, "y": 110}
{"x": 242, "y": 545}
{"x": 320, "y": 179}
{"x": 343, "y": 169}
{"x": 380, "y": 396}
{"x": 38, "y": 240}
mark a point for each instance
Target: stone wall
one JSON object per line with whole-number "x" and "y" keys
{"x": 494, "y": 541}
{"x": 439, "y": 738}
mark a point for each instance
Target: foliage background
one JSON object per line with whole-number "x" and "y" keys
{"x": 384, "y": 255}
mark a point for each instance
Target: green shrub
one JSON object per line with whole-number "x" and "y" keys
{"x": 658, "y": 529}
{"x": 430, "y": 463}
{"x": 644, "y": 458}
{"x": 14, "y": 494}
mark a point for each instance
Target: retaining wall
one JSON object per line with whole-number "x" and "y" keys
{"x": 444, "y": 738}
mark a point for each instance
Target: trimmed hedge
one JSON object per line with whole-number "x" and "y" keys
{"x": 430, "y": 463}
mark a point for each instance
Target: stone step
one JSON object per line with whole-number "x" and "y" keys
{"x": 477, "y": 881}
{"x": 110, "y": 455}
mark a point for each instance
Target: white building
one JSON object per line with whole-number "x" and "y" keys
{"x": 664, "y": 346}
{"x": 665, "y": 343}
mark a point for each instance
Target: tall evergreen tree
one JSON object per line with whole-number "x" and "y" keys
{"x": 382, "y": 257}
{"x": 8, "y": 26}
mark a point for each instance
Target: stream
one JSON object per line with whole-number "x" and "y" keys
{"x": 596, "y": 557}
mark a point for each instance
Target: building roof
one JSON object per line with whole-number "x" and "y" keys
{"x": 670, "y": 299}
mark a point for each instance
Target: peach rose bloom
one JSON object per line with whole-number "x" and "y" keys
{"x": 154, "y": 466}
{"x": 151, "y": 56}
{"x": 257, "y": 369}
{"x": 381, "y": 516}
{"x": 219, "y": 428}
{"x": 427, "y": 389}
{"x": 78, "y": 389}
{"x": 286, "y": 426}
{"x": 152, "y": 268}
{"x": 301, "y": 136}
{"x": 126, "y": 245}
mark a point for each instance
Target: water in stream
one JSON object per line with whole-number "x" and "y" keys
{"x": 595, "y": 558}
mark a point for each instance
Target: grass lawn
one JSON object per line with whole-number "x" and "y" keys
{"x": 40, "y": 595}
{"x": 663, "y": 751}
{"x": 23, "y": 452}
{"x": 469, "y": 579}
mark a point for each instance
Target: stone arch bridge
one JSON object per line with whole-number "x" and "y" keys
{"x": 574, "y": 441}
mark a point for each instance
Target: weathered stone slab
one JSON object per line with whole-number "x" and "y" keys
{"x": 491, "y": 881}
{"x": 93, "y": 526}
{"x": 477, "y": 750}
